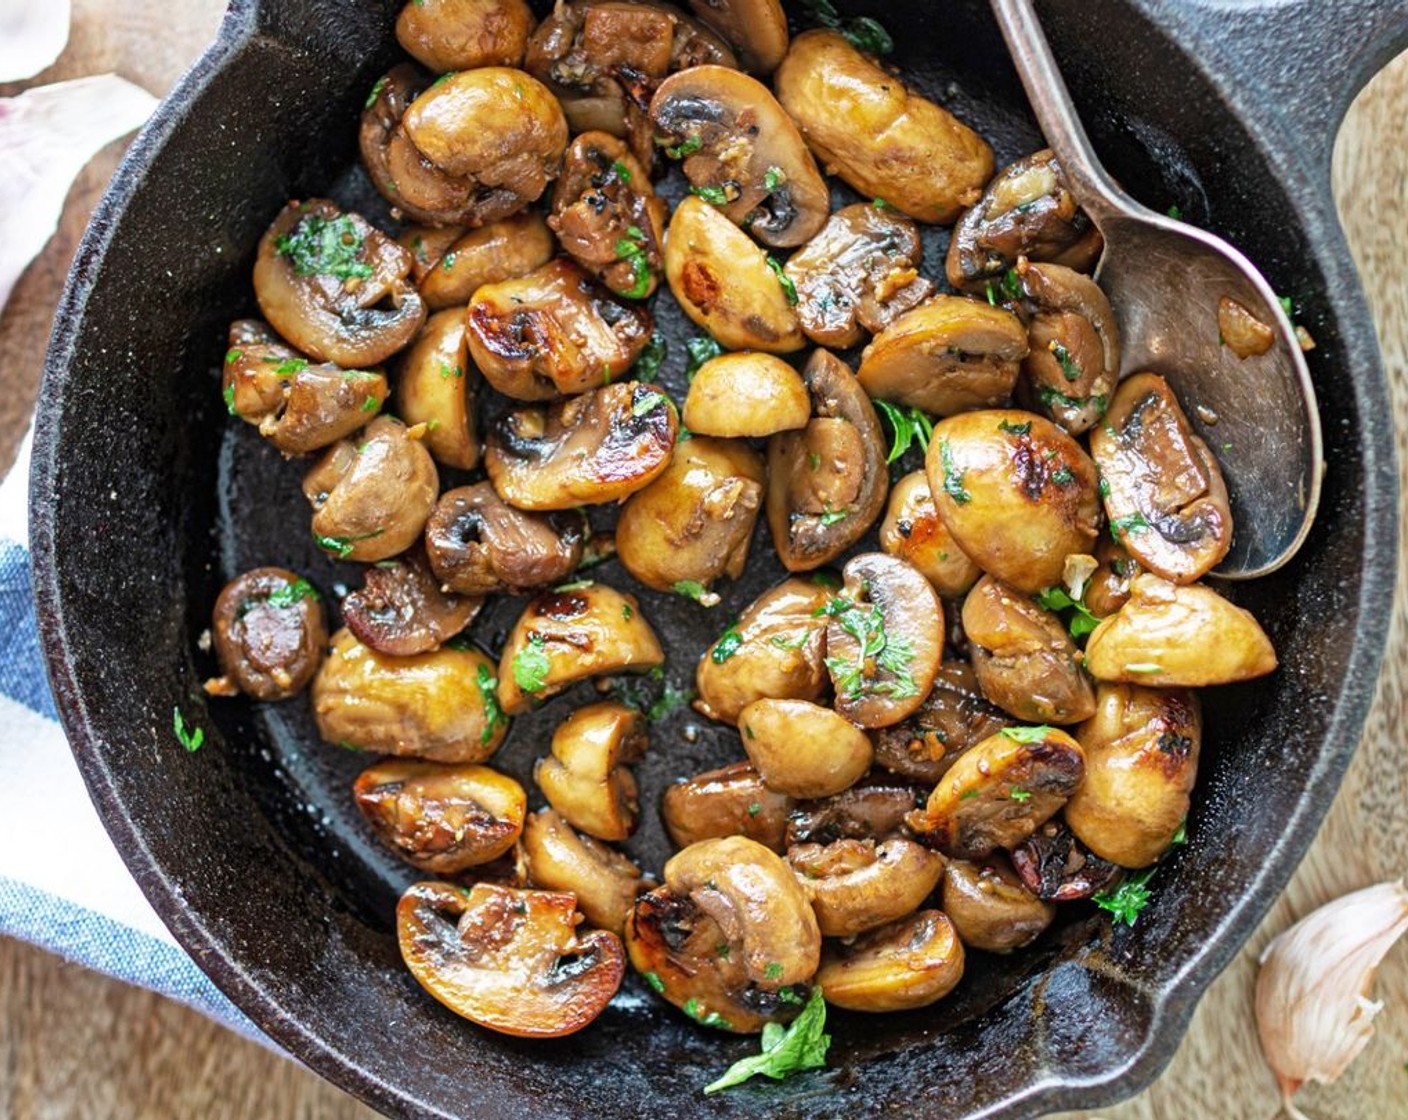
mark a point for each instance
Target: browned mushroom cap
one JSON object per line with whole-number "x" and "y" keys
{"x": 857, "y": 885}
{"x": 298, "y": 407}
{"x": 694, "y": 523}
{"x": 802, "y": 749}
{"x": 775, "y": 649}
{"x": 746, "y": 394}
{"x": 605, "y": 882}
{"x": 371, "y": 498}
{"x": 469, "y": 149}
{"x": 756, "y": 28}
{"x": 1107, "y": 590}
{"x": 585, "y": 778}
{"x": 911, "y": 963}
{"x": 1057, "y": 867}
{"x": 440, "y": 706}
{"x": 860, "y": 271}
{"x": 742, "y": 153}
{"x": 1027, "y": 211}
{"x": 336, "y": 287}
{"x": 1141, "y": 759}
{"x": 269, "y": 635}
{"x": 730, "y": 801}
{"x": 1173, "y": 636}
{"x": 879, "y": 136}
{"x": 913, "y": 532}
{"x": 1074, "y": 362}
{"x": 946, "y": 356}
{"x": 607, "y": 217}
{"x": 553, "y": 331}
{"x": 1017, "y": 494}
{"x": 1163, "y": 489}
{"x": 991, "y": 908}
{"x": 954, "y": 717}
{"x": 478, "y": 545}
{"x": 884, "y": 641}
{"x": 567, "y": 636}
{"x": 1025, "y": 660}
{"x": 599, "y": 447}
{"x": 400, "y": 608}
{"x": 603, "y": 59}
{"x": 826, "y": 483}
{"x": 438, "y": 386}
{"x": 506, "y": 959}
{"x": 451, "y": 264}
{"x": 874, "y": 808}
{"x": 441, "y": 818}
{"x": 725, "y": 283}
{"x": 1001, "y": 791}
{"x": 464, "y": 34}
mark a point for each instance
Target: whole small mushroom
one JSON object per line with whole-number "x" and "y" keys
{"x": 438, "y": 386}
{"x": 269, "y": 633}
{"x": 447, "y": 35}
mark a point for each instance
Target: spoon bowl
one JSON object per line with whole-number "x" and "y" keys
{"x": 1165, "y": 281}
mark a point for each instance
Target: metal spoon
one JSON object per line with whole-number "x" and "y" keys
{"x": 1165, "y": 280}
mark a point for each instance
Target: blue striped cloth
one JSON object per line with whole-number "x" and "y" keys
{"x": 75, "y": 899}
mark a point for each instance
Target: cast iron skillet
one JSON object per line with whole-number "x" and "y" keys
{"x": 144, "y": 500}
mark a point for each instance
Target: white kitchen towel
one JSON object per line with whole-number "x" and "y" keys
{"x": 63, "y": 886}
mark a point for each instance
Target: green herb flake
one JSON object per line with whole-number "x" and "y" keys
{"x": 494, "y": 717}
{"x": 629, "y": 251}
{"x": 688, "y": 148}
{"x": 990, "y": 293}
{"x": 531, "y": 665}
{"x": 789, "y": 289}
{"x": 1127, "y": 901}
{"x": 370, "y": 404}
{"x": 1082, "y": 622}
{"x": 714, "y": 196}
{"x": 1027, "y": 735}
{"x": 646, "y": 402}
{"x": 1286, "y": 305}
{"x": 814, "y": 461}
{"x": 773, "y": 178}
{"x": 653, "y": 979}
{"x": 877, "y": 649}
{"x": 1144, "y": 667}
{"x": 319, "y": 246}
{"x": 773, "y": 971}
{"x": 291, "y": 594}
{"x": 1014, "y": 429}
{"x": 1175, "y": 212}
{"x": 953, "y": 479}
{"x": 1011, "y": 284}
{"x": 443, "y": 78}
{"x": 647, "y": 366}
{"x": 1134, "y": 523}
{"x": 967, "y": 795}
{"x": 342, "y": 546}
{"x": 229, "y": 394}
{"x": 701, "y": 348}
{"x": 1102, "y": 486}
{"x": 729, "y": 643}
{"x": 448, "y": 371}
{"x": 909, "y": 425}
{"x": 1181, "y": 835}
{"x": 693, "y": 589}
{"x": 622, "y": 171}
{"x": 1019, "y": 795}
{"x": 1063, "y": 476}
{"x": 375, "y": 93}
{"x": 1069, "y": 369}
{"x": 626, "y": 612}
{"x": 232, "y": 356}
{"x": 754, "y": 808}
{"x": 881, "y": 204}
{"x": 785, "y": 1050}
{"x": 189, "y": 737}
{"x": 832, "y": 516}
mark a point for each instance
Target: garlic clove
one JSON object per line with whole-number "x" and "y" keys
{"x": 1312, "y": 1007}
{"x": 33, "y": 33}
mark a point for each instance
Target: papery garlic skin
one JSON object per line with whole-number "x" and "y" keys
{"x": 33, "y": 33}
{"x": 47, "y": 135}
{"x": 1312, "y": 1007}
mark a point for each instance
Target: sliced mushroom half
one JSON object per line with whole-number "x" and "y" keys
{"x": 826, "y": 482}
{"x": 1026, "y": 211}
{"x": 873, "y": 808}
{"x": 400, "y": 609}
{"x": 730, "y": 801}
{"x": 599, "y": 447}
{"x": 859, "y": 273}
{"x": 694, "y": 523}
{"x": 478, "y": 544}
{"x": 441, "y": 819}
{"x": 451, "y": 264}
{"x": 802, "y": 749}
{"x": 586, "y": 777}
{"x": 746, "y": 394}
{"x": 858, "y": 885}
{"x": 553, "y": 331}
{"x": 371, "y": 498}
{"x": 948, "y": 355}
{"x": 604, "y": 881}
{"x": 269, "y": 631}
{"x": 990, "y": 907}
{"x": 908, "y": 964}
{"x": 335, "y": 286}
{"x": 438, "y": 386}
{"x": 742, "y": 153}
{"x": 1163, "y": 489}
{"x": 567, "y": 636}
{"x": 884, "y": 640}
{"x": 509, "y": 960}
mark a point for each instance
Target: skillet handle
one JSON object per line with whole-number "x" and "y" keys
{"x": 1296, "y": 64}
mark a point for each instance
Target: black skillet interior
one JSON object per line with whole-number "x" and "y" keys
{"x": 148, "y": 498}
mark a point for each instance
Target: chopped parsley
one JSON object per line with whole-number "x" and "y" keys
{"x": 693, "y": 589}
{"x": 714, "y": 196}
{"x": 832, "y": 516}
{"x": 773, "y": 971}
{"x": 622, "y": 171}
{"x": 1028, "y": 735}
{"x": 1069, "y": 369}
{"x": 908, "y": 425}
{"x": 320, "y": 246}
{"x": 646, "y": 402}
{"x": 1063, "y": 475}
{"x": 575, "y": 585}
{"x": 1082, "y": 622}
{"x": 728, "y": 644}
{"x": 448, "y": 371}
{"x": 1019, "y": 795}
{"x": 629, "y": 251}
{"x": 953, "y": 479}
{"x": 754, "y": 808}
{"x": 229, "y": 394}
{"x": 789, "y": 289}
{"x": 343, "y": 546}
{"x": 880, "y": 204}
{"x": 375, "y": 93}
{"x": 1011, "y": 284}
{"x": 1014, "y": 429}
{"x": 494, "y": 717}
{"x": 1126, "y": 901}
{"x": 647, "y": 366}
{"x": 878, "y": 649}
{"x": 232, "y": 356}
{"x": 701, "y": 348}
{"x": 1134, "y": 523}
{"x": 773, "y": 178}
{"x": 785, "y": 1050}
{"x": 1175, "y": 212}
{"x": 688, "y": 148}
{"x": 531, "y": 665}
{"x": 292, "y": 367}
{"x": 291, "y": 594}
{"x": 653, "y": 979}
{"x": 189, "y": 737}
{"x": 1049, "y": 396}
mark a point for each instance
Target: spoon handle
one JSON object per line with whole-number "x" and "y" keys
{"x": 1055, "y": 113}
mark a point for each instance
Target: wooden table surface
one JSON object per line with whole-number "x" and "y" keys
{"x": 74, "y": 1044}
